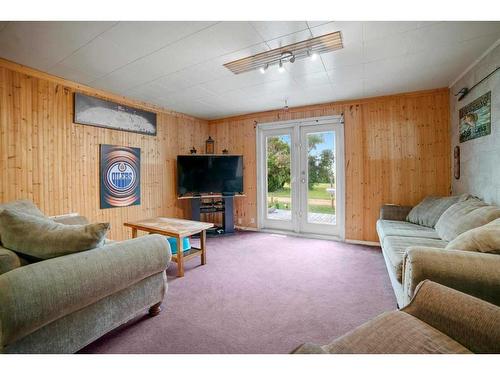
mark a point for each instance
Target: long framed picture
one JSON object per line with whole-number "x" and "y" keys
{"x": 120, "y": 176}
{"x": 93, "y": 111}
{"x": 475, "y": 118}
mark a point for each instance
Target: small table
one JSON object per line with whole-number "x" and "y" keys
{"x": 179, "y": 229}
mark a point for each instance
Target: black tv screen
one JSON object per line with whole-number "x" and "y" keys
{"x": 209, "y": 174}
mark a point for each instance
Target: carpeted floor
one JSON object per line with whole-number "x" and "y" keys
{"x": 261, "y": 293}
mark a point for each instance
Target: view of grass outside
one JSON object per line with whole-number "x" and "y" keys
{"x": 320, "y": 168}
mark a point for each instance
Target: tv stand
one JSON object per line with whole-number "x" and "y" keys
{"x": 222, "y": 204}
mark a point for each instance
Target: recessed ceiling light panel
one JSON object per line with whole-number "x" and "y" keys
{"x": 311, "y": 47}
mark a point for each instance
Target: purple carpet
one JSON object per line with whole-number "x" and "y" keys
{"x": 261, "y": 293}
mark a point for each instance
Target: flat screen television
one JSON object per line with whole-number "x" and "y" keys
{"x": 209, "y": 174}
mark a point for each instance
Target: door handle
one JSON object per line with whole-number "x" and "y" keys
{"x": 303, "y": 180}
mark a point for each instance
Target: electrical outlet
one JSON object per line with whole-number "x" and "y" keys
{"x": 252, "y": 220}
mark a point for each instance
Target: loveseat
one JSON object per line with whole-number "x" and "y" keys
{"x": 415, "y": 251}
{"x": 62, "y": 304}
{"x": 438, "y": 320}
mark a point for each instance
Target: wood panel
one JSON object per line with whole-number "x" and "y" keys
{"x": 48, "y": 159}
{"x": 396, "y": 151}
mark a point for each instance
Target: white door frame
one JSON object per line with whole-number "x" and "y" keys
{"x": 262, "y": 174}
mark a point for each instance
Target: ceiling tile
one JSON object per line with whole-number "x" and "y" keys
{"x": 352, "y": 32}
{"x": 42, "y": 44}
{"x": 274, "y": 29}
{"x": 390, "y": 46}
{"x": 149, "y": 36}
{"x": 349, "y": 55}
{"x": 344, "y": 74}
{"x": 71, "y": 73}
{"x": 383, "y": 29}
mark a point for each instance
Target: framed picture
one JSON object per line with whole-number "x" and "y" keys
{"x": 93, "y": 111}
{"x": 120, "y": 176}
{"x": 475, "y": 118}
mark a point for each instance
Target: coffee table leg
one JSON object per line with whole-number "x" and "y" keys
{"x": 203, "y": 245}
{"x": 180, "y": 257}
{"x": 134, "y": 232}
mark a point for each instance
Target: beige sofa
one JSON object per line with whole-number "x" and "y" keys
{"x": 414, "y": 253}
{"x": 439, "y": 320}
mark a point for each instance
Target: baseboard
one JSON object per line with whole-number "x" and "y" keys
{"x": 251, "y": 229}
{"x": 367, "y": 243}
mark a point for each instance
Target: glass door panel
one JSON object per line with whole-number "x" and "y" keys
{"x": 321, "y": 177}
{"x": 320, "y": 182}
{"x": 279, "y": 189}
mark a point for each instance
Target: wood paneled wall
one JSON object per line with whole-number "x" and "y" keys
{"x": 396, "y": 151}
{"x": 48, "y": 159}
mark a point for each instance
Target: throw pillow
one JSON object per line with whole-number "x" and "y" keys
{"x": 22, "y": 206}
{"x": 43, "y": 238}
{"x": 428, "y": 212}
{"x": 485, "y": 239}
{"x": 463, "y": 216}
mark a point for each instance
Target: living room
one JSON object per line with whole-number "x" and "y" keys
{"x": 225, "y": 185}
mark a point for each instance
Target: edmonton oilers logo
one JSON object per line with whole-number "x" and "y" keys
{"x": 121, "y": 176}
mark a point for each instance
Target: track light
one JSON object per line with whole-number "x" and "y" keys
{"x": 308, "y": 49}
{"x": 264, "y": 68}
{"x": 281, "y": 69}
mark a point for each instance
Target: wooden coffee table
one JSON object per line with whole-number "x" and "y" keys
{"x": 179, "y": 229}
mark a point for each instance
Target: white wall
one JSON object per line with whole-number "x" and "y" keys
{"x": 480, "y": 157}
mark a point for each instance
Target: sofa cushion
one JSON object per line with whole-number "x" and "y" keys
{"x": 485, "y": 239}
{"x": 404, "y": 229}
{"x": 22, "y": 206}
{"x": 43, "y": 238}
{"x": 465, "y": 215}
{"x": 395, "y": 332}
{"x": 428, "y": 212}
{"x": 8, "y": 260}
{"x": 395, "y": 248}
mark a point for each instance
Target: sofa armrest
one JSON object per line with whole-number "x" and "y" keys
{"x": 473, "y": 273}
{"x": 470, "y": 321}
{"x": 394, "y": 212}
{"x": 40, "y": 293}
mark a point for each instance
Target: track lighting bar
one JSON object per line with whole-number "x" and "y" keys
{"x": 307, "y": 48}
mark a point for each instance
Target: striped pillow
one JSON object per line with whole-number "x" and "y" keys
{"x": 463, "y": 216}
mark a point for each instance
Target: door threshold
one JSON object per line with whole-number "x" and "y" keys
{"x": 303, "y": 235}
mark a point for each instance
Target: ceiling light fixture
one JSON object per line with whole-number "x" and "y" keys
{"x": 281, "y": 69}
{"x": 264, "y": 68}
{"x": 288, "y": 54}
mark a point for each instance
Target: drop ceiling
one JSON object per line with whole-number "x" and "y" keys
{"x": 179, "y": 65}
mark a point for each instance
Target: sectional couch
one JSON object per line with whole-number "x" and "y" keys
{"x": 415, "y": 250}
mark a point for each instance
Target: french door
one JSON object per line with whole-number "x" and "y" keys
{"x": 301, "y": 177}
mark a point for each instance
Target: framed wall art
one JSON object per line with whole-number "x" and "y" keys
{"x": 120, "y": 176}
{"x": 475, "y": 118}
{"x": 93, "y": 111}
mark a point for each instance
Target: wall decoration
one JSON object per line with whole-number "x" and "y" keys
{"x": 475, "y": 118}
{"x": 93, "y": 111}
{"x": 120, "y": 176}
{"x": 210, "y": 145}
{"x": 193, "y": 150}
{"x": 456, "y": 162}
